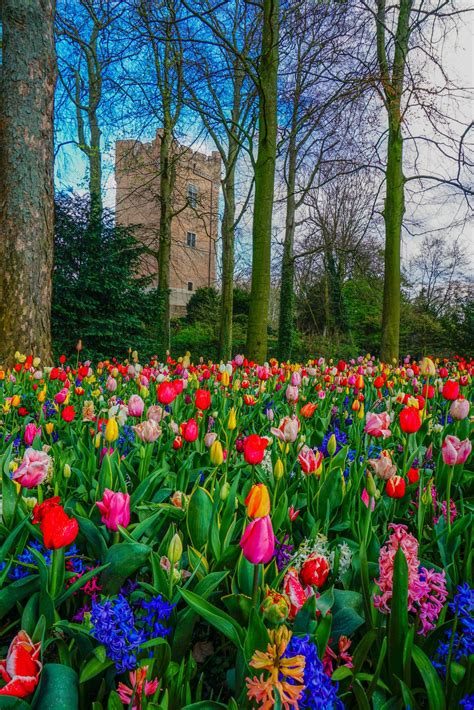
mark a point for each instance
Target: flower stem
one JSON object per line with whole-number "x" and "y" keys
{"x": 256, "y": 571}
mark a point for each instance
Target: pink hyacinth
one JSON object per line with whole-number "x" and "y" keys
{"x": 426, "y": 588}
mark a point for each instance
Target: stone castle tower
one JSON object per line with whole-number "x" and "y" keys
{"x": 194, "y": 226}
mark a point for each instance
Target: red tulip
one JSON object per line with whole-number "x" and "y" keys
{"x": 295, "y": 592}
{"x": 21, "y": 668}
{"x": 314, "y": 571}
{"x": 59, "y": 530}
{"x": 189, "y": 430}
{"x": 165, "y": 392}
{"x": 258, "y": 541}
{"x": 413, "y": 475}
{"x": 68, "y": 413}
{"x": 178, "y": 386}
{"x": 410, "y": 420}
{"x": 395, "y": 487}
{"x": 203, "y": 399}
{"x": 451, "y": 390}
{"x": 254, "y": 448}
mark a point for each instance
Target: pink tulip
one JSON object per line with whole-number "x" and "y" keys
{"x": 147, "y": 431}
{"x": 377, "y": 424}
{"x": 115, "y": 509}
{"x": 31, "y": 430}
{"x": 33, "y": 469}
{"x": 156, "y": 413}
{"x": 455, "y": 451}
{"x": 288, "y": 429}
{"x": 136, "y": 405}
{"x": 292, "y": 394}
{"x": 60, "y": 397}
{"x": 295, "y": 379}
{"x": 258, "y": 541}
{"x": 111, "y": 384}
{"x": 459, "y": 409}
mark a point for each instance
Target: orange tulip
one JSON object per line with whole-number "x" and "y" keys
{"x": 258, "y": 501}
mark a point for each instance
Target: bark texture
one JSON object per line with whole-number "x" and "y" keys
{"x": 27, "y": 81}
{"x": 392, "y": 79}
{"x": 264, "y": 184}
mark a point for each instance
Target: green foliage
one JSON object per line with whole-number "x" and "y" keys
{"x": 203, "y": 306}
{"x": 97, "y": 295}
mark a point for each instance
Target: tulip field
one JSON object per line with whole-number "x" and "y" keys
{"x": 236, "y": 535}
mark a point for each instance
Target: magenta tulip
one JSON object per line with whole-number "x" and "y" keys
{"x": 31, "y": 430}
{"x": 258, "y": 541}
{"x": 115, "y": 509}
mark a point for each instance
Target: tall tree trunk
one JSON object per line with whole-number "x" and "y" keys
{"x": 264, "y": 184}
{"x": 394, "y": 207}
{"x": 27, "y": 81}
{"x": 227, "y": 289}
{"x": 164, "y": 249}
{"x": 393, "y": 217}
{"x": 94, "y": 72}
{"x": 287, "y": 288}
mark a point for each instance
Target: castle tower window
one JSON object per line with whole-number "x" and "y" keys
{"x": 191, "y": 239}
{"x": 190, "y": 285}
{"x": 192, "y": 195}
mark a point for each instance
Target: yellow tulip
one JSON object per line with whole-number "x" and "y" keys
{"x": 111, "y": 430}
{"x": 42, "y": 395}
{"x": 427, "y": 367}
{"x": 232, "y": 421}
{"x": 216, "y": 453}
{"x": 49, "y": 427}
{"x": 225, "y": 379}
{"x": 16, "y": 400}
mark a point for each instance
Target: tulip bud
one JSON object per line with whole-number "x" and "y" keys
{"x": 370, "y": 485}
{"x": 67, "y": 471}
{"x": 278, "y": 469}
{"x": 216, "y": 453}
{"x": 225, "y": 379}
{"x": 97, "y": 441}
{"x": 49, "y": 427}
{"x": 175, "y": 549}
{"x": 332, "y": 445}
{"x": 224, "y": 492}
{"x": 232, "y": 421}
{"x": 275, "y": 607}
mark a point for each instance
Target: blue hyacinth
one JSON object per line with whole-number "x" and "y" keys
{"x": 459, "y": 643}
{"x": 122, "y": 628}
{"x": 320, "y": 692}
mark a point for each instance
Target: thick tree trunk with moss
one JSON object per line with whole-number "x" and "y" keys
{"x": 392, "y": 81}
{"x": 164, "y": 249}
{"x": 264, "y": 184}
{"x": 27, "y": 80}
